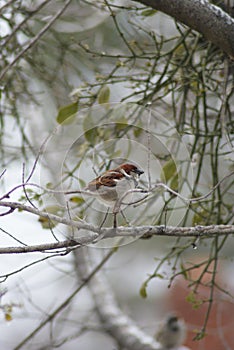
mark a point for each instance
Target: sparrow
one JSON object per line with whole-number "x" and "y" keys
{"x": 112, "y": 184}
{"x": 172, "y": 332}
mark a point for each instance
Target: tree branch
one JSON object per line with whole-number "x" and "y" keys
{"x": 121, "y": 327}
{"x": 40, "y": 247}
{"x": 208, "y": 19}
{"x": 115, "y": 322}
{"x": 66, "y": 302}
{"x": 31, "y": 43}
{"x": 142, "y": 232}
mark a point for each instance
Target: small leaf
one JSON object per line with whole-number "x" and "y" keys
{"x": 104, "y": 95}
{"x": 147, "y": 13}
{"x": 90, "y": 130}
{"x": 143, "y": 292}
{"x": 121, "y": 124}
{"x": 184, "y": 272}
{"x": 199, "y": 218}
{"x": 115, "y": 249}
{"x": 91, "y": 135}
{"x": 174, "y": 183}
{"x": 169, "y": 170}
{"x": 67, "y": 112}
{"x": 194, "y": 300}
{"x": 46, "y": 222}
{"x": 137, "y": 131}
{"x": 82, "y": 183}
{"x": 159, "y": 275}
{"x": 49, "y": 185}
{"x": 179, "y": 50}
{"x": 8, "y": 317}
{"x": 77, "y": 200}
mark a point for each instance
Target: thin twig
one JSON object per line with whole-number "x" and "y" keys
{"x": 66, "y": 301}
{"x": 36, "y": 38}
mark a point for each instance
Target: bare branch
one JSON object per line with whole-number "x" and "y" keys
{"x": 143, "y": 232}
{"x": 4, "y": 276}
{"x": 120, "y": 201}
{"x": 121, "y": 327}
{"x": 67, "y": 300}
{"x": 35, "y": 39}
{"x": 78, "y": 224}
{"x": 210, "y": 20}
{"x": 40, "y": 247}
{"x": 7, "y": 212}
{"x": 6, "y": 4}
{"x": 18, "y": 26}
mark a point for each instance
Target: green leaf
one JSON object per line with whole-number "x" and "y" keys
{"x": 170, "y": 175}
{"x": 82, "y": 182}
{"x": 137, "y": 131}
{"x": 143, "y": 292}
{"x": 8, "y": 312}
{"x": 194, "y": 300}
{"x": 200, "y": 217}
{"x": 8, "y": 317}
{"x": 184, "y": 272}
{"x": 169, "y": 170}
{"x": 77, "y": 200}
{"x": 91, "y": 135}
{"x": 174, "y": 183}
{"x": 197, "y": 220}
{"x": 90, "y": 130}
{"x": 66, "y": 113}
{"x": 49, "y": 185}
{"x": 121, "y": 124}
{"x": 147, "y": 13}
{"x": 46, "y": 222}
{"x": 104, "y": 95}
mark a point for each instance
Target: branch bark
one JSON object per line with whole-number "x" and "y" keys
{"x": 208, "y": 19}
{"x": 66, "y": 302}
{"x": 141, "y": 232}
{"x": 115, "y": 322}
{"x": 96, "y": 233}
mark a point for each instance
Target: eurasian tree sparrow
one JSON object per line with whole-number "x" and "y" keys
{"x": 172, "y": 332}
{"x": 109, "y": 187}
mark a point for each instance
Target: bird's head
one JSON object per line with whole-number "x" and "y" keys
{"x": 130, "y": 170}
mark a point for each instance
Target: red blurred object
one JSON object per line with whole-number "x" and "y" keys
{"x": 219, "y": 331}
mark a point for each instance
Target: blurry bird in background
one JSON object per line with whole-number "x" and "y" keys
{"x": 172, "y": 333}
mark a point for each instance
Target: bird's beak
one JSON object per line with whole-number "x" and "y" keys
{"x": 139, "y": 172}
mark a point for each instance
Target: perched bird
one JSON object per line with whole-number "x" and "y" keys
{"x": 110, "y": 187}
{"x": 172, "y": 332}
